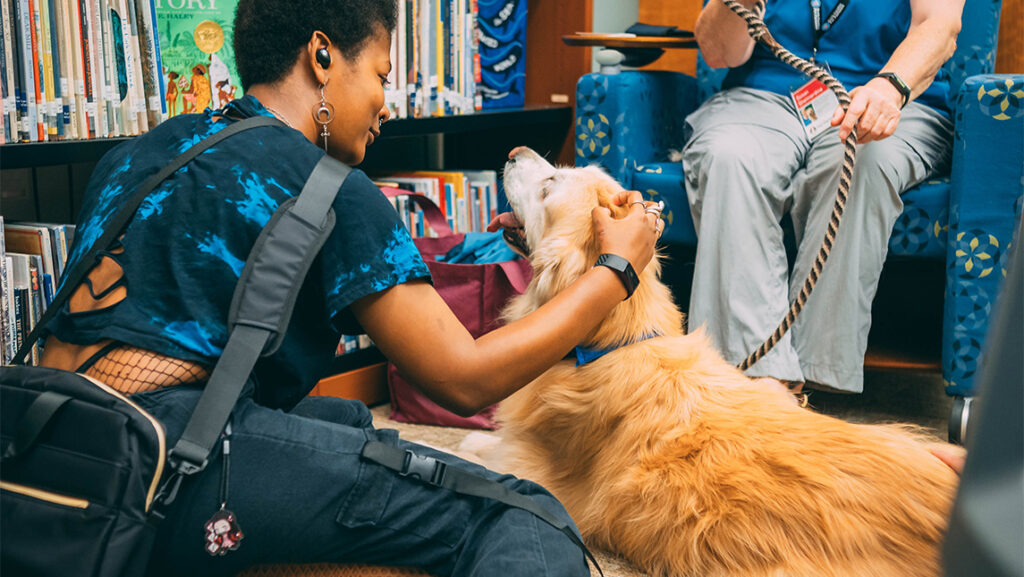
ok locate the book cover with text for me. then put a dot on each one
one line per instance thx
(197, 53)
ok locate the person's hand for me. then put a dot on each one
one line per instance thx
(874, 110)
(632, 237)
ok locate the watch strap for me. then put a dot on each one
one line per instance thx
(622, 269)
(896, 81)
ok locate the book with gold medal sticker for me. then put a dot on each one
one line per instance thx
(196, 44)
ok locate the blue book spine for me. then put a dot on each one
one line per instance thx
(29, 118)
(47, 284)
(449, 199)
(159, 60)
(55, 48)
(449, 61)
(20, 103)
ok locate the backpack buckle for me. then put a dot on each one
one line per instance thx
(182, 467)
(426, 469)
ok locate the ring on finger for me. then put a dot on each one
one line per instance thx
(640, 202)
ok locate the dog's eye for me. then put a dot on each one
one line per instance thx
(545, 186)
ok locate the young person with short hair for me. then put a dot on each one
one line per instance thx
(151, 321)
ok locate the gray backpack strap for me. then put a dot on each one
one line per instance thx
(270, 282)
(260, 311)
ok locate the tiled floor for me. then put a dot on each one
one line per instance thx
(888, 396)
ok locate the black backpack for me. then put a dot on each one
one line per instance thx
(85, 472)
(80, 475)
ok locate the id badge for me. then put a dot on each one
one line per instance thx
(815, 105)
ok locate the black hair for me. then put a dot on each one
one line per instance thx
(270, 34)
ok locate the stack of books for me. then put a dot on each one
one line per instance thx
(457, 57)
(32, 259)
(435, 64)
(83, 69)
(468, 198)
(79, 69)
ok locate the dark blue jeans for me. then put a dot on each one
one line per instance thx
(302, 494)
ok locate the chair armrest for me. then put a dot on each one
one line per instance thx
(631, 118)
(987, 185)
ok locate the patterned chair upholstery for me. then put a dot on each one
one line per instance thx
(631, 121)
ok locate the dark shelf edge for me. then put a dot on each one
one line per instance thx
(484, 120)
(355, 360)
(32, 154)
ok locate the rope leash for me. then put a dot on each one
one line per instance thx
(759, 32)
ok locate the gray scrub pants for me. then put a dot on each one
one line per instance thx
(747, 162)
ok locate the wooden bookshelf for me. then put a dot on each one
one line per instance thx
(45, 181)
(33, 154)
(367, 384)
(37, 154)
(486, 120)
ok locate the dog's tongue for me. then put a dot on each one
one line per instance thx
(504, 220)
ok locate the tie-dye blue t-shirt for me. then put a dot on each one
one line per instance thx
(187, 245)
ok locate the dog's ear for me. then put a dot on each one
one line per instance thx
(607, 190)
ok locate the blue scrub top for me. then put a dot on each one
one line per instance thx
(856, 48)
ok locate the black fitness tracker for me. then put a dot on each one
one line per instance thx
(898, 82)
(622, 269)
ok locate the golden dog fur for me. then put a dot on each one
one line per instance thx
(663, 452)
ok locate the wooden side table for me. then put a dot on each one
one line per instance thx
(617, 49)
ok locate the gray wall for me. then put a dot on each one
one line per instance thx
(614, 16)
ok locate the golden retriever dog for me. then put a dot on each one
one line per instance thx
(668, 455)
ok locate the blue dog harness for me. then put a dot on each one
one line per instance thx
(585, 355)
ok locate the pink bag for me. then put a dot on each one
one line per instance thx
(476, 294)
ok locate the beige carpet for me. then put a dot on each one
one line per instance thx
(887, 397)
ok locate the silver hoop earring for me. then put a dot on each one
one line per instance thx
(323, 114)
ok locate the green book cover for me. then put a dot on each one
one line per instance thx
(197, 50)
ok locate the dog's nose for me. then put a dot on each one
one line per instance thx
(515, 151)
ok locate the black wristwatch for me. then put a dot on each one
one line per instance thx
(623, 269)
(898, 82)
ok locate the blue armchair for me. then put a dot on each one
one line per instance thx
(629, 121)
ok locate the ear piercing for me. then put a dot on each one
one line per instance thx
(323, 114)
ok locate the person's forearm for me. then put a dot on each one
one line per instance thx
(926, 48)
(722, 35)
(504, 360)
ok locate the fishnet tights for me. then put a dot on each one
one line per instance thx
(132, 370)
